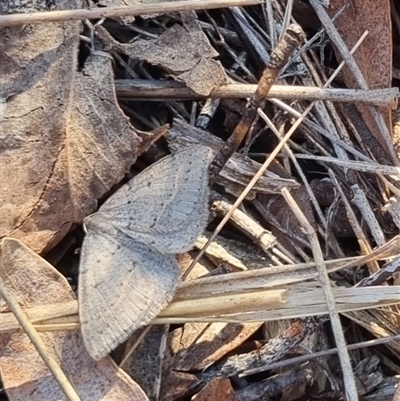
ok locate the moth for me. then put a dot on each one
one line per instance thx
(128, 272)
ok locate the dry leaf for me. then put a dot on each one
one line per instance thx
(218, 389)
(118, 3)
(176, 385)
(374, 57)
(198, 345)
(35, 282)
(185, 53)
(145, 364)
(64, 140)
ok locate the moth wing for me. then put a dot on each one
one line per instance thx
(166, 205)
(123, 285)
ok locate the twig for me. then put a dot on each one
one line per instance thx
(141, 89)
(279, 56)
(29, 329)
(364, 167)
(288, 15)
(348, 376)
(365, 246)
(113, 12)
(361, 201)
(247, 225)
(380, 276)
(270, 352)
(321, 354)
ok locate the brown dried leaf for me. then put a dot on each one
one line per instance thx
(64, 140)
(176, 385)
(23, 372)
(185, 53)
(198, 345)
(374, 57)
(218, 389)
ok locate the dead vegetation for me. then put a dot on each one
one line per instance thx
(293, 292)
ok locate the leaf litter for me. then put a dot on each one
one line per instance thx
(196, 65)
(192, 356)
(24, 373)
(65, 139)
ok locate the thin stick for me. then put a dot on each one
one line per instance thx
(362, 166)
(247, 225)
(143, 89)
(344, 357)
(279, 56)
(113, 12)
(396, 396)
(29, 329)
(363, 242)
(321, 354)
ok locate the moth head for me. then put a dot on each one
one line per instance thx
(96, 223)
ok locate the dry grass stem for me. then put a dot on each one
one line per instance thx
(246, 303)
(113, 12)
(364, 167)
(349, 379)
(139, 89)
